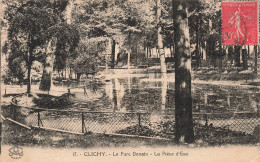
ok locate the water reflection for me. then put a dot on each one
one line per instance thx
(129, 83)
(150, 93)
(109, 89)
(118, 92)
(132, 94)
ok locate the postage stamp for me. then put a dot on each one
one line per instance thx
(239, 23)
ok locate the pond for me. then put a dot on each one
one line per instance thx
(149, 93)
(123, 103)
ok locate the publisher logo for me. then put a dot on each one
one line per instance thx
(16, 152)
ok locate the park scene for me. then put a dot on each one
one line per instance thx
(129, 73)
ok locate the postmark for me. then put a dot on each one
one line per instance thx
(239, 23)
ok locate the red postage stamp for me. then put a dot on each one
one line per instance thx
(239, 23)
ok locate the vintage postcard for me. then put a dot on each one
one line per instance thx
(129, 80)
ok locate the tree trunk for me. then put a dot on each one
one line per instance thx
(29, 67)
(197, 44)
(136, 54)
(183, 101)
(150, 52)
(113, 54)
(220, 58)
(78, 76)
(65, 73)
(129, 84)
(256, 56)
(160, 40)
(0, 87)
(106, 63)
(70, 71)
(237, 55)
(204, 53)
(231, 54)
(164, 94)
(129, 51)
(29, 81)
(46, 81)
(146, 52)
(248, 54)
(244, 58)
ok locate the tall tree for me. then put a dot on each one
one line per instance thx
(244, 58)
(183, 100)
(32, 25)
(160, 39)
(123, 21)
(26, 21)
(46, 81)
(237, 54)
(61, 40)
(113, 53)
(1, 80)
(256, 57)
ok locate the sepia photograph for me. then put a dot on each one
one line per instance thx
(129, 80)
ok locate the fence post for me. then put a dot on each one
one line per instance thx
(206, 119)
(14, 112)
(39, 118)
(139, 119)
(139, 123)
(82, 122)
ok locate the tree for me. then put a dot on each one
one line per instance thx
(102, 21)
(26, 21)
(238, 49)
(256, 57)
(245, 59)
(89, 56)
(33, 24)
(113, 54)
(183, 100)
(204, 33)
(62, 39)
(15, 62)
(160, 40)
(127, 23)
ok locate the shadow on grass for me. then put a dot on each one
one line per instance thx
(48, 101)
(13, 94)
(16, 135)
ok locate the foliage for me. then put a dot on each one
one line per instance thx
(90, 55)
(32, 23)
(116, 20)
(67, 41)
(205, 20)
